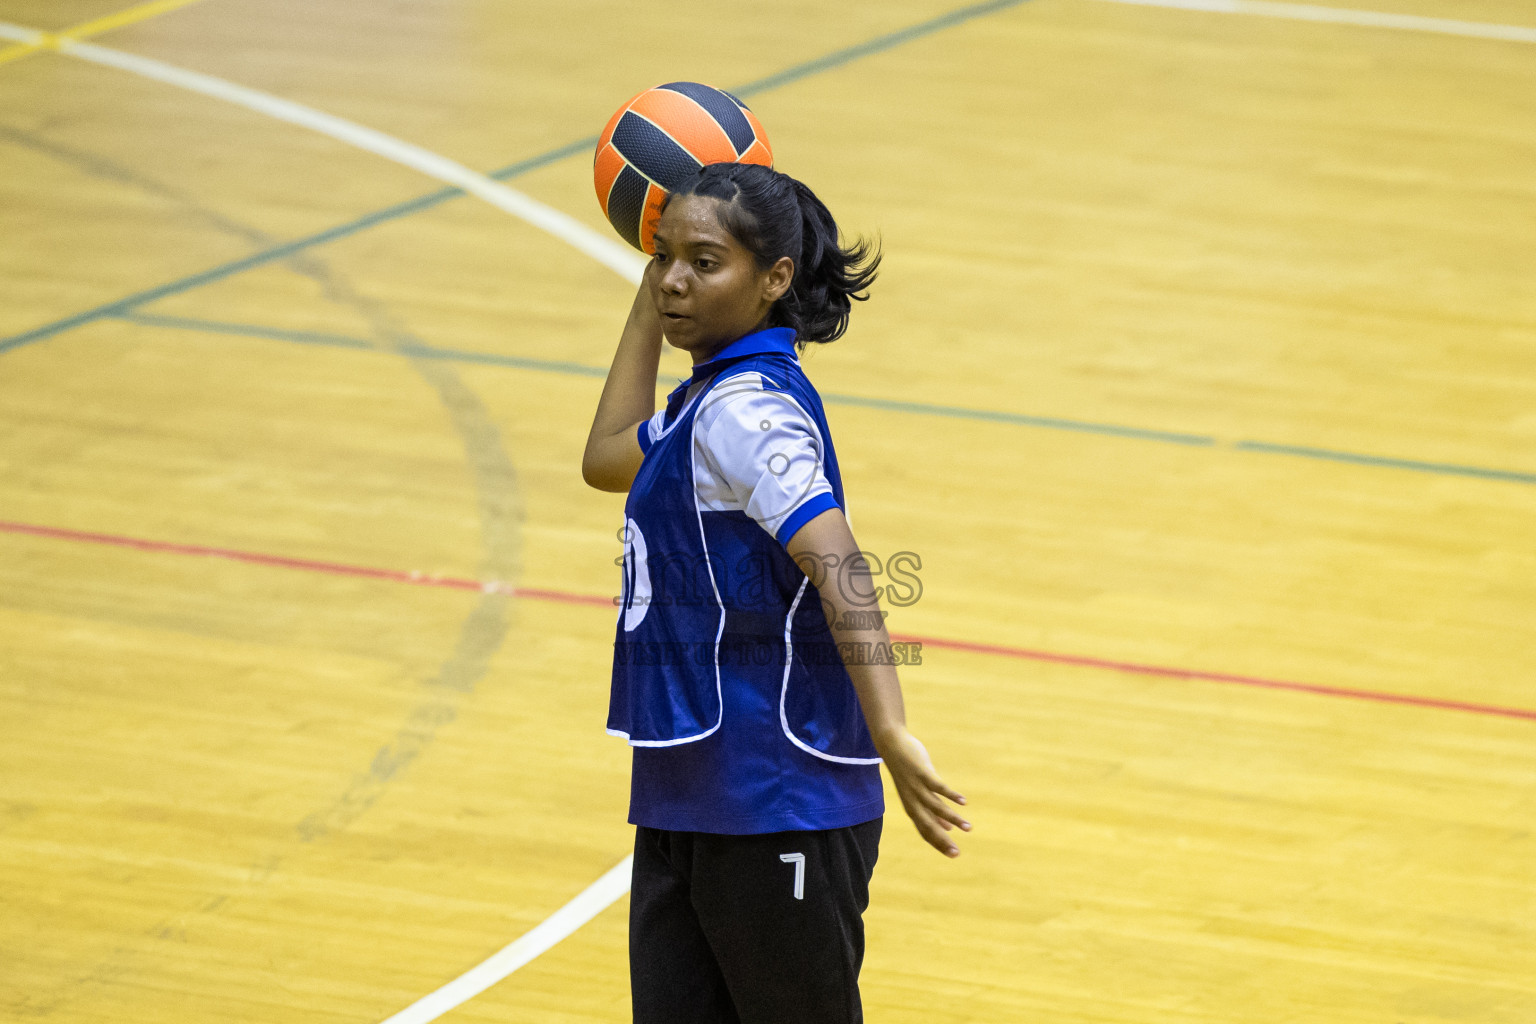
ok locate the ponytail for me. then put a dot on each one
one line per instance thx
(773, 215)
(827, 276)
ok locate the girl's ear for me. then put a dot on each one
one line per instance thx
(778, 280)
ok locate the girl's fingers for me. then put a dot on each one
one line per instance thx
(947, 815)
(959, 821)
(933, 828)
(936, 838)
(943, 813)
(933, 782)
(931, 798)
(934, 793)
(943, 844)
(924, 793)
(945, 791)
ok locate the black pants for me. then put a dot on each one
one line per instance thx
(761, 929)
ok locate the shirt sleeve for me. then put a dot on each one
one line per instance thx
(768, 453)
(649, 428)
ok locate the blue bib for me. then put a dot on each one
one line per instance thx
(726, 678)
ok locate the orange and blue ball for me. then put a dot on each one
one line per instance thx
(660, 139)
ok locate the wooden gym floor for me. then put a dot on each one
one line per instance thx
(1201, 377)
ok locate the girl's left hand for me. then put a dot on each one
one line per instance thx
(922, 791)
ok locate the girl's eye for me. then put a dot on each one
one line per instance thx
(705, 264)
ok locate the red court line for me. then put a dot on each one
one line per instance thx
(432, 580)
(1222, 677)
(420, 579)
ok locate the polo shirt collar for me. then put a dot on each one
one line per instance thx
(771, 339)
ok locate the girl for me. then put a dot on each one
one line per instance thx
(751, 672)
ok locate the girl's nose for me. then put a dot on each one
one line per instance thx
(674, 278)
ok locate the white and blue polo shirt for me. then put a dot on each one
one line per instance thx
(726, 677)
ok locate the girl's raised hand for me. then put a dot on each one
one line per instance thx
(922, 792)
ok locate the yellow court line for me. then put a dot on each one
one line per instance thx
(94, 27)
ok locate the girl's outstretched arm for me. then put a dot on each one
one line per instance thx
(825, 550)
(613, 454)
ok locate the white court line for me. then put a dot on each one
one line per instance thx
(627, 263)
(610, 252)
(20, 34)
(1349, 16)
(594, 899)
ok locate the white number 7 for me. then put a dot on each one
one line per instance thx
(798, 860)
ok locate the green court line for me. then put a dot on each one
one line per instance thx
(282, 251)
(840, 57)
(998, 416)
(662, 380)
(890, 405)
(1450, 468)
(344, 341)
(827, 62)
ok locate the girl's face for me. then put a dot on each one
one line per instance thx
(706, 284)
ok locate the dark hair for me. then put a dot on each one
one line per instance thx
(773, 215)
